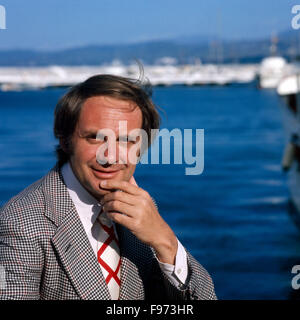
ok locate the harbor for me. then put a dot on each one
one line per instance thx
(62, 76)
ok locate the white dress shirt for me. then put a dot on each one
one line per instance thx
(88, 209)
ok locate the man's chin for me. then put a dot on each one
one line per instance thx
(99, 193)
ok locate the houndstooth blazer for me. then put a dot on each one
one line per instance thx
(46, 254)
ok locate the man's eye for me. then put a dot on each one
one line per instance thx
(126, 142)
(92, 139)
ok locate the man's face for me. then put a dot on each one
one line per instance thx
(103, 112)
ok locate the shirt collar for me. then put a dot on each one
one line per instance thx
(84, 202)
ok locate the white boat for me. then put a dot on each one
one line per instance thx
(272, 70)
(289, 90)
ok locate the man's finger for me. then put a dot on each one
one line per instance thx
(120, 185)
(119, 206)
(122, 219)
(121, 196)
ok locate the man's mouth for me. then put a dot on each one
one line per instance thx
(105, 173)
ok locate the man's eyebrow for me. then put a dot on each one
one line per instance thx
(89, 132)
(96, 133)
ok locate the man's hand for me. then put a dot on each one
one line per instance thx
(133, 208)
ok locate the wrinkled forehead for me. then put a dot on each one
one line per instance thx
(112, 102)
(106, 112)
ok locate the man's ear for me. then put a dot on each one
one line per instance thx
(132, 181)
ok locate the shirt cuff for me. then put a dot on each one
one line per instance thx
(176, 274)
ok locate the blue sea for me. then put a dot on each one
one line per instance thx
(233, 217)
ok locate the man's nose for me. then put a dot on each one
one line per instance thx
(107, 154)
(110, 154)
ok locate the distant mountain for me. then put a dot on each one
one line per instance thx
(183, 49)
(195, 39)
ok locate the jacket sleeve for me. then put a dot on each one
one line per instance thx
(199, 285)
(20, 261)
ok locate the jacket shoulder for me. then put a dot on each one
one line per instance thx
(30, 201)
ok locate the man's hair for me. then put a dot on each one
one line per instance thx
(68, 108)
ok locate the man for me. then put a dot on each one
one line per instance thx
(86, 230)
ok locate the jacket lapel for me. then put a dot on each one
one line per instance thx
(71, 242)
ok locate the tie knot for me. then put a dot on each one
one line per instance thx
(103, 219)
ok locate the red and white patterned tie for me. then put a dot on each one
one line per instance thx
(108, 255)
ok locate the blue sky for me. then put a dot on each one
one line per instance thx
(55, 24)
